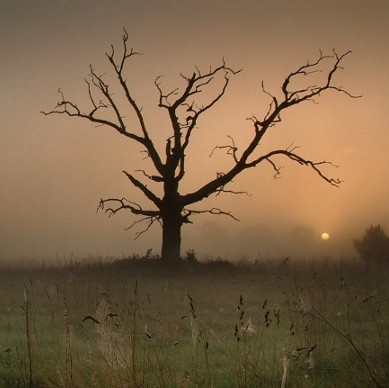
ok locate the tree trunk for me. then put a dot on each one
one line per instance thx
(171, 237)
(171, 221)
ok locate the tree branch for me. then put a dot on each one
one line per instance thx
(150, 219)
(184, 113)
(149, 194)
(300, 160)
(154, 178)
(230, 149)
(309, 92)
(118, 67)
(123, 204)
(215, 211)
(71, 109)
(273, 116)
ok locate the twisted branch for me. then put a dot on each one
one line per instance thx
(215, 211)
(151, 216)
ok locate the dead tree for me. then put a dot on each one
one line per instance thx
(184, 108)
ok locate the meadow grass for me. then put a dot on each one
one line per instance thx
(137, 323)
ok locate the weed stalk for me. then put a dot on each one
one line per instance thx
(27, 312)
(316, 314)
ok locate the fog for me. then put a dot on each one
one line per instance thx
(54, 169)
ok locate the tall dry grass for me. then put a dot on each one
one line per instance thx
(137, 324)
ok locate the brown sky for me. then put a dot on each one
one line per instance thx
(54, 169)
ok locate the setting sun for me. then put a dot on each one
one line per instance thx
(325, 236)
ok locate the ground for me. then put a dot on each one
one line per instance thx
(137, 323)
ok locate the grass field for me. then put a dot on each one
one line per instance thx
(137, 324)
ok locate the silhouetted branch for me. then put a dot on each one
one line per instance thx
(149, 194)
(71, 109)
(276, 168)
(274, 104)
(184, 112)
(273, 116)
(96, 107)
(125, 55)
(215, 211)
(123, 204)
(118, 67)
(230, 149)
(151, 220)
(300, 160)
(154, 178)
(164, 98)
(224, 190)
(96, 81)
(296, 96)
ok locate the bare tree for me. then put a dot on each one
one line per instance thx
(184, 108)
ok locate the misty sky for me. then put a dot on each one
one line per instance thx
(55, 169)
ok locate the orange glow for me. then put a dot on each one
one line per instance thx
(54, 170)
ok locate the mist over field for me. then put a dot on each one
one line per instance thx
(280, 281)
(55, 169)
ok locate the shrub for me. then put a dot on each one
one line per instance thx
(373, 248)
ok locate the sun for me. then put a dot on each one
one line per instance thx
(325, 236)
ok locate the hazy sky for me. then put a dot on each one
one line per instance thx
(54, 169)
